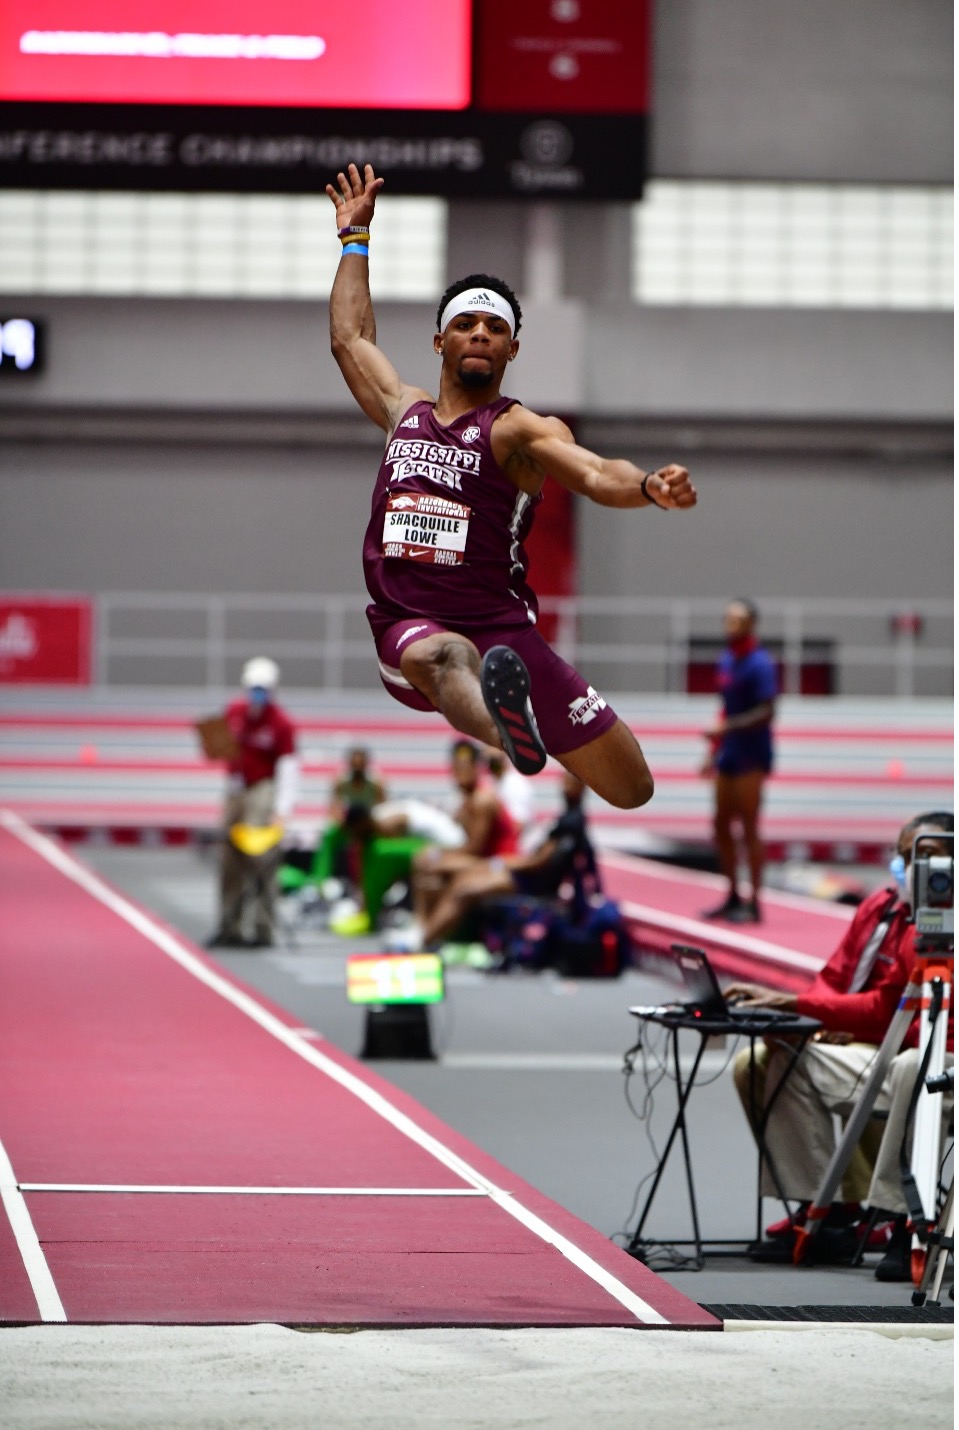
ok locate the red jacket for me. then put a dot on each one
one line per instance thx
(264, 737)
(867, 1014)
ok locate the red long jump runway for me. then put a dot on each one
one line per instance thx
(664, 905)
(174, 1150)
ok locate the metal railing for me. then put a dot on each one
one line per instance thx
(889, 647)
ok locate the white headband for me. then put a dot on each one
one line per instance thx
(478, 300)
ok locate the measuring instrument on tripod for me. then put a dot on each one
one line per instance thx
(929, 992)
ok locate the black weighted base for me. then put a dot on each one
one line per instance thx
(398, 1031)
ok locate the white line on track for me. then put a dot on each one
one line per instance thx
(35, 1263)
(698, 931)
(109, 1188)
(374, 1100)
(653, 869)
(560, 1062)
(535, 1062)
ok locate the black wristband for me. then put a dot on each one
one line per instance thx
(642, 488)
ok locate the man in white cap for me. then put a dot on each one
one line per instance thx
(452, 614)
(261, 792)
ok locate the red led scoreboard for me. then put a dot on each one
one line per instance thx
(486, 98)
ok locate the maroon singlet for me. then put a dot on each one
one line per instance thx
(446, 532)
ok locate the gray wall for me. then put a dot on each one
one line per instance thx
(177, 516)
(792, 525)
(171, 516)
(204, 445)
(575, 357)
(817, 89)
(209, 446)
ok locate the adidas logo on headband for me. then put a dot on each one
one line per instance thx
(478, 298)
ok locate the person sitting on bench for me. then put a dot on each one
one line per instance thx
(564, 853)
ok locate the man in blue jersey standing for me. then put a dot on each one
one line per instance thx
(741, 756)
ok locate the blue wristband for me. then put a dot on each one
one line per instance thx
(363, 248)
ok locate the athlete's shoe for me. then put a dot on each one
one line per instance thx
(748, 912)
(404, 940)
(504, 681)
(729, 908)
(223, 938)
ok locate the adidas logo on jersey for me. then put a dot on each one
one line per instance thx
(413, 421)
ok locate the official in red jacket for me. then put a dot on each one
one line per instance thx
(262, 780)
(855, 997)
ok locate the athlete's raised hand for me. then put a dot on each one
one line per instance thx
(354, 196)
(671, 488)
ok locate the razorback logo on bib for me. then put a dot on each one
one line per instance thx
(419, 527)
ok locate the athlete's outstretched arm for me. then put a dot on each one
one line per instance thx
(370, 376)
(545, 445)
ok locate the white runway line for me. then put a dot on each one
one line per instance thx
(374, 1100)
(28, 1244)
(114, 1188)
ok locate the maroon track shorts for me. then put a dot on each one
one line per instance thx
(568, 711)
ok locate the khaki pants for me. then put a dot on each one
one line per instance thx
(828, 1079)
(247, 883)
(858, 1175)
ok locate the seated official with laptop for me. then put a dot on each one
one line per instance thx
(855, 996)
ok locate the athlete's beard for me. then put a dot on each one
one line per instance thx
(473, 377)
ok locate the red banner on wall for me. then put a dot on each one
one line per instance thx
(45, 640)
(551, 547)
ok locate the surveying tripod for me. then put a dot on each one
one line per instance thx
(929, 989)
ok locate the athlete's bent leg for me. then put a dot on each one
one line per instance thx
(461, 894)
(613, 766)
(445, 667)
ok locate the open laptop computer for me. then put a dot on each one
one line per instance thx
(707, 1000)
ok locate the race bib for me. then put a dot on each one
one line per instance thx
(419, 527)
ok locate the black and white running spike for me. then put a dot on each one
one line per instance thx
(505, 683)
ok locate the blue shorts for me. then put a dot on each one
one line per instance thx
(744, 764)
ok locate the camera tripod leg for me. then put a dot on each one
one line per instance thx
(855, 1126)
(928, 1120)
(939, 1247)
